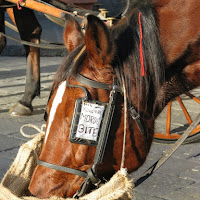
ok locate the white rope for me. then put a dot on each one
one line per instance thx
(125, 123)
(40, 130)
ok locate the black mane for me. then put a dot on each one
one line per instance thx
(127, 61)
(68, 67)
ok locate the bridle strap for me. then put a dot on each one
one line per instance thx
(100, 150)
(62, 169)
(94, 84)
(92, 175)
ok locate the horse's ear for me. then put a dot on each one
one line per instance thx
(73, 35)
(99, 43)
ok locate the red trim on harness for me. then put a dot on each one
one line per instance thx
(143, 73)
(19, 5)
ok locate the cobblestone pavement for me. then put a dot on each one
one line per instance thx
(177, 179)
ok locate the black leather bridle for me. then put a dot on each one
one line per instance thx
(91, 175)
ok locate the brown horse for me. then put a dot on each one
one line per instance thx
(156, 64)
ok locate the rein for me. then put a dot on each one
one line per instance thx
(168, 153)
(43, 46)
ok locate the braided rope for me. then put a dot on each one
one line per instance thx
(125, 124)
(40, 130)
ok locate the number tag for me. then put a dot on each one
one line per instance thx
(89, 121)
(86, 122)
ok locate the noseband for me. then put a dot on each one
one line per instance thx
(91, 176)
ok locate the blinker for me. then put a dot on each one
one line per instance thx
(86, 122)
(89, 117)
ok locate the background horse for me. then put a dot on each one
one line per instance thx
(157, 65)
(29, 30)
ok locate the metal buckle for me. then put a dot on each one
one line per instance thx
(134, 113)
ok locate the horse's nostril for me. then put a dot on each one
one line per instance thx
(36, 189)
(35, 184)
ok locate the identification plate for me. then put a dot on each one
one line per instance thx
(86, 122)
(89, 121)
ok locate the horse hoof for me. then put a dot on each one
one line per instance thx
(20, 110)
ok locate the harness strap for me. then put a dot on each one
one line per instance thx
(104, 133)
(62, 169)
(43, 46)
(94, 84)
(105, 130)
(168, 153)
(7, 6)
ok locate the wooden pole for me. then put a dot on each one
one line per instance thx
(43, 8)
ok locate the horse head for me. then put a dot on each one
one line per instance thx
(95, 64)
(100, 56)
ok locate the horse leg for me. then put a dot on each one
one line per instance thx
(29, 30)
(178, 84)
(2, 29)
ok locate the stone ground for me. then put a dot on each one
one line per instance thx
(177, 179)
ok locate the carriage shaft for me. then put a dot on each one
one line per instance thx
(43, 8)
